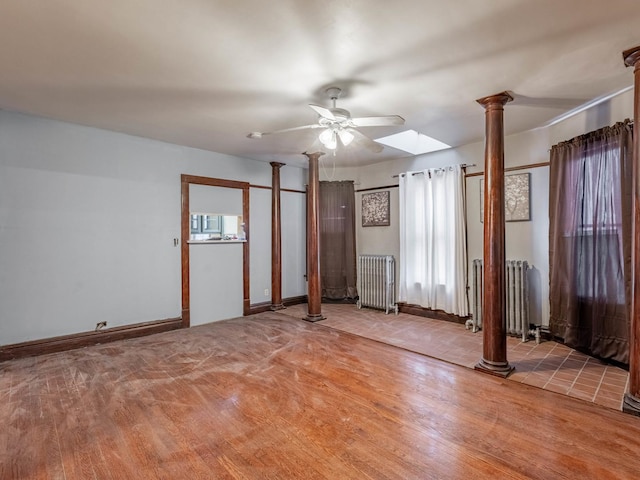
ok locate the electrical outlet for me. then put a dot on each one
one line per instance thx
(100, 325)
(266, 292)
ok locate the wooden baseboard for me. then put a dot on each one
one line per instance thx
(85, 339)
(259, 307)
(287, 302)
(428, 313)
(266, 306)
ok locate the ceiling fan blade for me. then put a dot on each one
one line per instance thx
(378, 121)
(362, 140)
(323, 111)
(284, 130)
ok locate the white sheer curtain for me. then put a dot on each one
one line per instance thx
(433, 250)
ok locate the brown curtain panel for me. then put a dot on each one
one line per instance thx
(337, 240)
(590, 241)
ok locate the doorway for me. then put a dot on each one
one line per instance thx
(215, 271)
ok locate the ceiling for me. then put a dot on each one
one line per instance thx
(205, 73)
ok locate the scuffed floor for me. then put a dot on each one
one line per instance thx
(274, 397)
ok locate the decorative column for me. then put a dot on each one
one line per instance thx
(276, 239)
(494, 336)
(631, 403)
(314, 288)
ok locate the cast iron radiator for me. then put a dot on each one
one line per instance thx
(376, 282)
(517, 297)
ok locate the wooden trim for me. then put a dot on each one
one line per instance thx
(186, 180)
(265, 187)
(245, 251)
(300, 299)
(185, 233)
(467, 175)
(429, 313)
(214, 182)
(85, 339)
(376, 188)
(266, 306)
(259, 308)
(512, 169)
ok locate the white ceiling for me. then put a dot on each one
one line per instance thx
(204, 73)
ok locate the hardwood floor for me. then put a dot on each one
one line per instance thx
(549, 365)
(270, 396)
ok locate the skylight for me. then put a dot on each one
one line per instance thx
(413, 142)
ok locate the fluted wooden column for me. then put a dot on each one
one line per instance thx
(276, 239)
(631, 403)
(314, 288)
(494, 336)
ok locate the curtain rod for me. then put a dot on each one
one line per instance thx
(463, 165)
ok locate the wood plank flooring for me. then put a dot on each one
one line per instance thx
(270, 396)
(549, 365)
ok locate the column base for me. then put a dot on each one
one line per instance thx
(276, 306)
(499, 369)
(631, 405)
(314, 317)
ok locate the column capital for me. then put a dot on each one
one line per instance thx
(631, 56)
(277, 164)
(496, 99)
(313, 154)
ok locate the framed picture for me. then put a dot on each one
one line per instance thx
(375, 209)
(517, 198)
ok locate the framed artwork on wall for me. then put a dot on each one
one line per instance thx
(375, 209)
(517, 198)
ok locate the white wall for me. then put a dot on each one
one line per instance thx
(294, 243)
(260, 250)
(376, 240)
(87, 222)
(523, 240)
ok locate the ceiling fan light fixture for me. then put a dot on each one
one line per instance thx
(346, 137)
(338, 128)
(329, 139)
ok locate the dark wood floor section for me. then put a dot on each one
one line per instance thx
(270, 396)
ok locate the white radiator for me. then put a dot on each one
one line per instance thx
(376, 282)
(517, 297)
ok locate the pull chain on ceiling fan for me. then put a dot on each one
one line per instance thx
(339, 127)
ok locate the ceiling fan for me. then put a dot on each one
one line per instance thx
(339, 128)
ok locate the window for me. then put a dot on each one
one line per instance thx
(589, 251)
(213, 226)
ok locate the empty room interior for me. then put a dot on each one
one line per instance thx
(308, 240)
